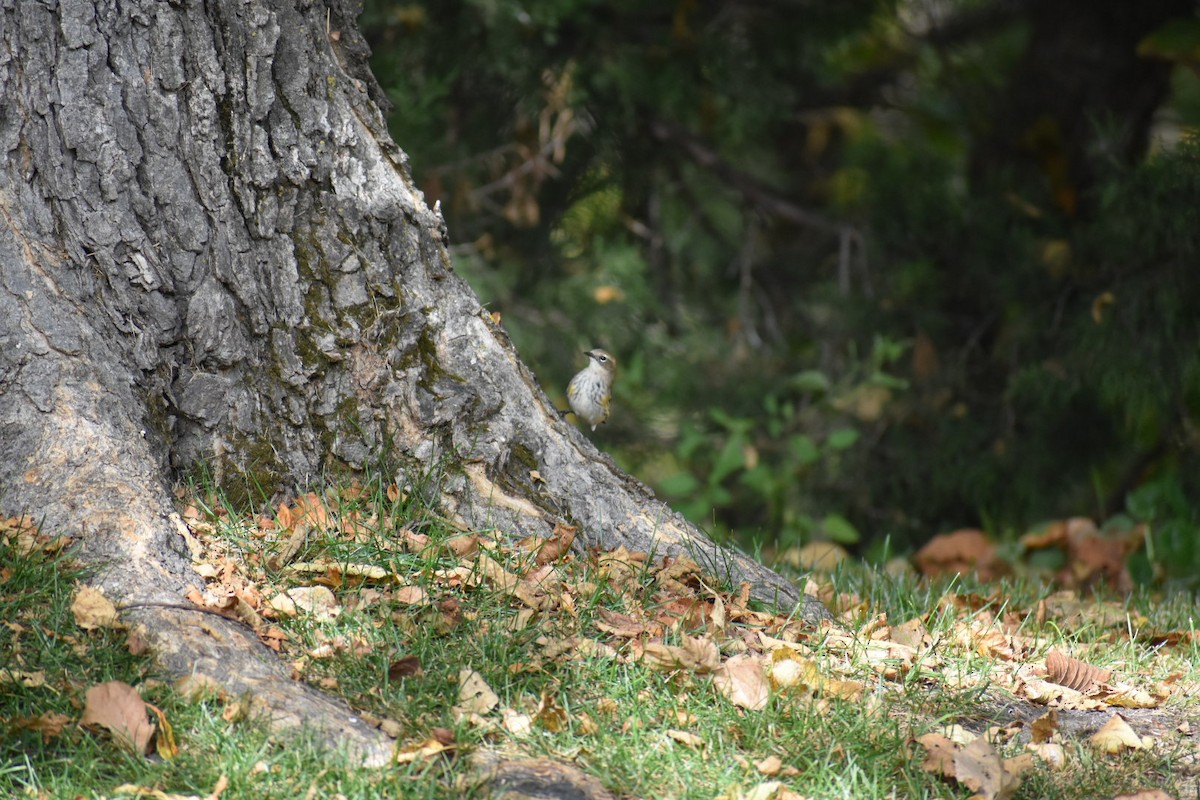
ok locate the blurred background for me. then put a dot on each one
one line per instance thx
(872, 270)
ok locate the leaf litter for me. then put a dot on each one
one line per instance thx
(663, 614)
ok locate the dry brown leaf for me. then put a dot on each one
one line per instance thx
(93, 610)
(117, 707)
(30, 680)
(423, 751)
(1116, 735)
(963, 551)
(410, 595)
(558, 545)
(464, 545)
(49, 724)
(1145, 794)
(1073, 673)
(679, 575)
(743, 681)
(939, 754)
(911, 634)
(405, 667)
(1044, 727)
(515, 722)
(697, 654)
(770, 766)
(1054, 755)
(685, 738)
(474, 694)
(978, 767)
(550, 715)
(625, 626)
(316, 601)
(290, 547)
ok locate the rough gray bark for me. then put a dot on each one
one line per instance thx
(212, 252)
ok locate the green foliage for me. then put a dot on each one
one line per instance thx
(740, 201)
(761, 471)
(1172, 548)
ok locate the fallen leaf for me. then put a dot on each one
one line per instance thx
(550, 715)
(49, 724)
(964, 552)
(1073, 673)
(117, 707)
(410, 595)
(1049, 753)
(770, 766)
(696, 654)
(422, 751)
(939, 754)
(685, 738)
(93, 610)
(317, 601)
(516, 723)
(912, 633)
(743, 681)
(1115, 736)
(558, 545)
(405, 667)
(979, 767)
(474, 694)
(1044, 727)
(164, 743)
(30, 680)
(289, 548)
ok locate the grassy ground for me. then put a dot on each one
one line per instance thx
(650, 677)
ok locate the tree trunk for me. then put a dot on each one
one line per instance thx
(212, 253)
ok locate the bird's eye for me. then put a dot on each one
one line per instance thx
(602, 359)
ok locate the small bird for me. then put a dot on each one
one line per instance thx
(591, 388)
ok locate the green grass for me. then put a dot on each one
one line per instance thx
(607, 712)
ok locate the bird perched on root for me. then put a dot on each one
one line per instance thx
(590, 390)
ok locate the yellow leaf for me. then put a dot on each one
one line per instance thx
(1115, 736)
(608, 294)
(93, 610)
(1100, 306)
